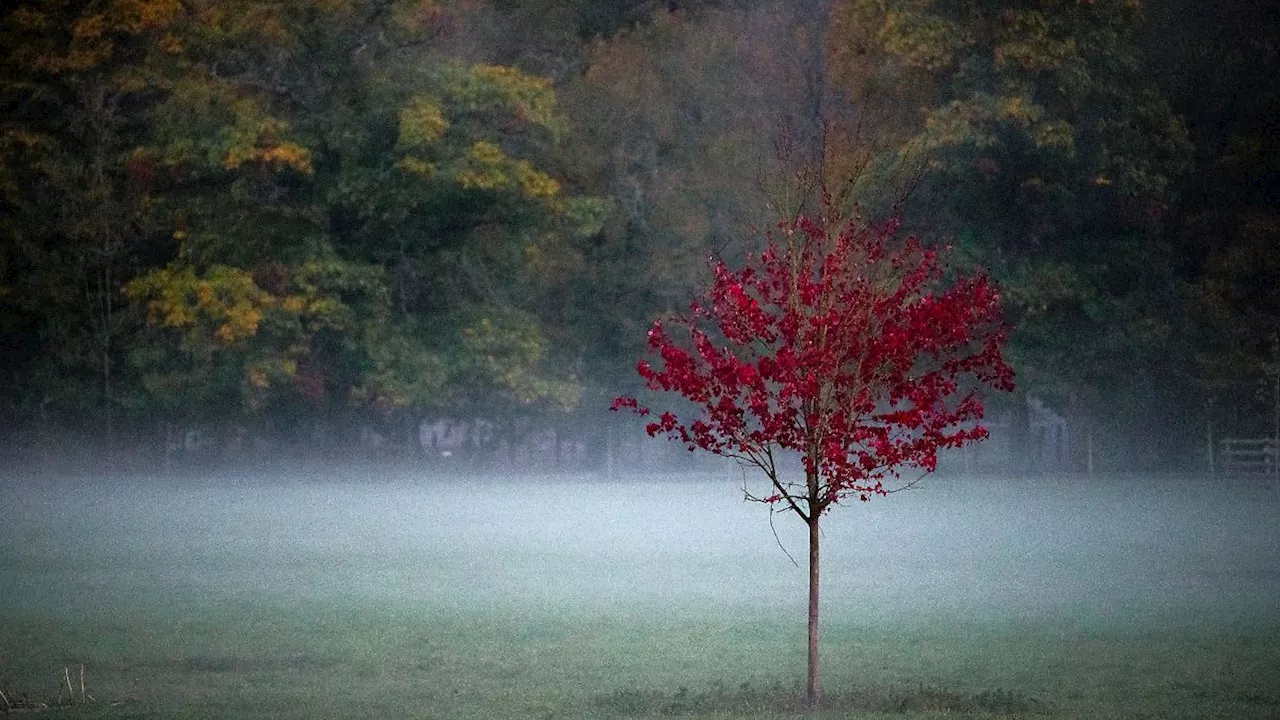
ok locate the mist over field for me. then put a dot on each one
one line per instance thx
(582, 586)
(333, 336)
(1036, 548)
(1052, 549)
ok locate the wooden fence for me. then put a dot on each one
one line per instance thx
(1249, 456)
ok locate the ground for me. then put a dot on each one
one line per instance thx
(520, 597)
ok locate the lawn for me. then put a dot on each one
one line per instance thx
(530, 597)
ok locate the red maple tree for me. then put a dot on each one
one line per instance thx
(839, 349)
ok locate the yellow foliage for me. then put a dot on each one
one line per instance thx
(89, 27)
(242, 320)
(132, 81)
(416, 17)
(957, 123)
(1019, 109)
(1056, 134)
(261, 22)
(80, 58)
(256, 138)
(139, 16)
(482, 180)
(171, 44)
(256, 376)
(175, 315)
(422, 123)
(487, 153)
(920, 40)
(536, 183)
(325, 307)
(287, 154)
(28, 19)
(489, 175)
(25, 138)
(414, 166)
(532, 96)
(225, 303)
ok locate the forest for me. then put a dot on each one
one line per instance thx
(315, 228)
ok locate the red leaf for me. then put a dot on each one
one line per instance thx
(841, 344)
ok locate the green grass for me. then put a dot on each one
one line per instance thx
(210, 609)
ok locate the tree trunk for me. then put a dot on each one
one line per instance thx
(813, 688)
(609, 451)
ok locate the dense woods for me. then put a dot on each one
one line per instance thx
(315, 226)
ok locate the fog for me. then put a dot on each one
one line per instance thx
(1060, 550)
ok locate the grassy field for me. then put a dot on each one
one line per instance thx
(564, 598)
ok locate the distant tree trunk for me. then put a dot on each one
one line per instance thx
(813, 687)
(556, 437)
(608, 451)
(166, 445)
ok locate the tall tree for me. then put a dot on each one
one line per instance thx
(669, 118)
(1220, 67)
(1053, 157)
(314, 209)
(339, 135)
(71, 79)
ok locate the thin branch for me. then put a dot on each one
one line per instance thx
(909, 486)
(784, 491)
(778, 540)
(772, 511)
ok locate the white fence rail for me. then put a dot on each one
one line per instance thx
(1249, 456)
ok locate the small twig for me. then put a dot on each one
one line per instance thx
(909, 486)
(7, 704)
(747, 495)
(71, 694)
(778, 539)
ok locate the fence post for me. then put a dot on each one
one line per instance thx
(1209, 437)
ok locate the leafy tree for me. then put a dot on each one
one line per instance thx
(76, 221)
(669, 118)
(338, 136)
(839, 350)
(1053, 157)
(310, 207)
(1221, 71)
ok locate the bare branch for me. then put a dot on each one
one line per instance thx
(778, 540)
(909, 486)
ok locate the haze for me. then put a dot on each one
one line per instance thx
(312, 315)
(1057, 549)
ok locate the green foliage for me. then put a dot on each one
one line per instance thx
(265, 334)
(286, 202)
(563, 169)
(1051, 151)
(499, 360)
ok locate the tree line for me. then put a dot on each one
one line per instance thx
(261, 218)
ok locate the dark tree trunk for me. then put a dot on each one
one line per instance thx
(813, 687)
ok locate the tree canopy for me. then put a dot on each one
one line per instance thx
(299, 218)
